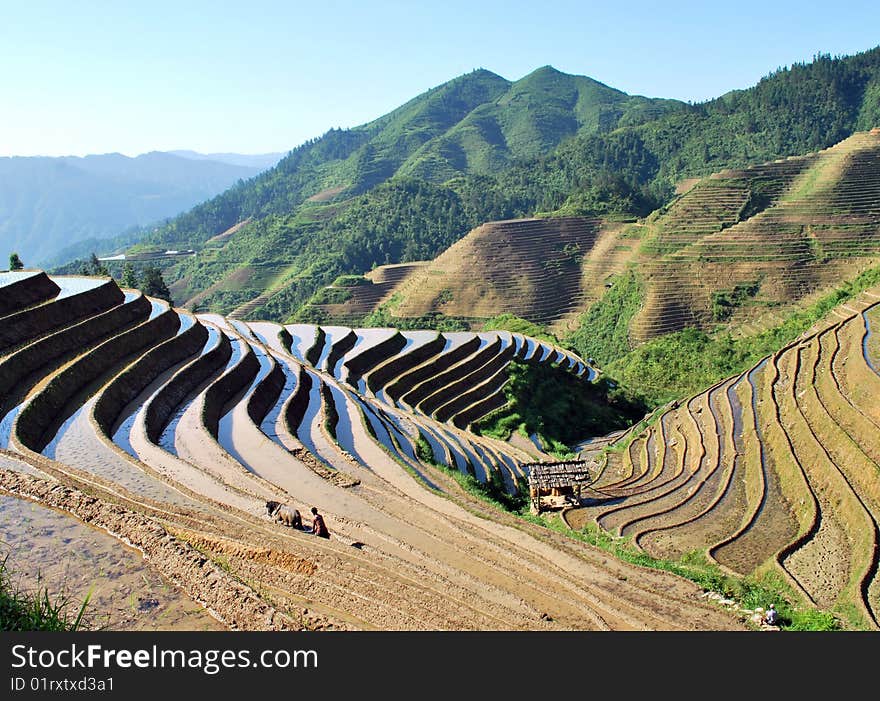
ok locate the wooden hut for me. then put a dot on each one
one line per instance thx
(552, 485)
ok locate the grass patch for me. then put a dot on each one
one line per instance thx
(22, 610)
(561, 408)
(331, 295)
(351, 281)
(603, 332)
(686, 362)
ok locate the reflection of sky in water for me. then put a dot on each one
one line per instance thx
(186, 321)
(268, 425)
(379, 428)
(400, 434)
(344, 429)
(52, 446)
(303, 338)
(332, 335)
(415, 339)
(309, 422)
(226, 427)
(86, 451)
(243, 329)
(478, 459)
(868, 358)
(534, 438)
(157, 307)
(267, 333)
(366, 339)
(459, 445)
(6, 425)
(13, 276)
(382, 426)
(436, 446)
(122, 435)
(68, 286)
(76, 285)
(166, 439)
(215, 319)
(509, 461)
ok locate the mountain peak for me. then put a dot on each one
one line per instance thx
(547, 70)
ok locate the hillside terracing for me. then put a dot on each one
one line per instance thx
(741, 248)
(773, 470)
(543, 270)
(172, 431)
(745, 247)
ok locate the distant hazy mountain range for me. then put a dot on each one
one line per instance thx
(255, 160)
(47, 204)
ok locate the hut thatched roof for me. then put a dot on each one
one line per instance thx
(548, 475)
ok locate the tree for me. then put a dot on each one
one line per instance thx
(15, 262)
(129, 276)
(153, 284)
(97, 267)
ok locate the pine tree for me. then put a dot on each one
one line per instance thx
(129, 276)
(97, 267)
(153, 284)
(15, 262)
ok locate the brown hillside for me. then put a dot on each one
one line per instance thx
(363, 299)
(742, 247)
(783, 230)
(527, 267)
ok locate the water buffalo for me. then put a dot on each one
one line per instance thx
(284, 513)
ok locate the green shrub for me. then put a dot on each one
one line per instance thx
(351, 281)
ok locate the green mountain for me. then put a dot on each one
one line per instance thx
(409, 184)
(529, 120)
(473, 124)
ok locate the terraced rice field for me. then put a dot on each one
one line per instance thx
(543, 270)
(743, 247)
(785, 231)
(47, 548)
(172, 431)
(774, 470)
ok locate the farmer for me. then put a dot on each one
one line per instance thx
(319, 528)
(771, 618)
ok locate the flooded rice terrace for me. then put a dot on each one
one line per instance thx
(48, 549)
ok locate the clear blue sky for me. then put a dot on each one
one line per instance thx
(252, 77)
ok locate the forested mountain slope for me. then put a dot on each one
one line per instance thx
(479, 148)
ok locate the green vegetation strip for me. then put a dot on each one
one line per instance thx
(603, 332)
(560, 408)
(686, 362)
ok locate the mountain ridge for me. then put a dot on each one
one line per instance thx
(406, 186)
